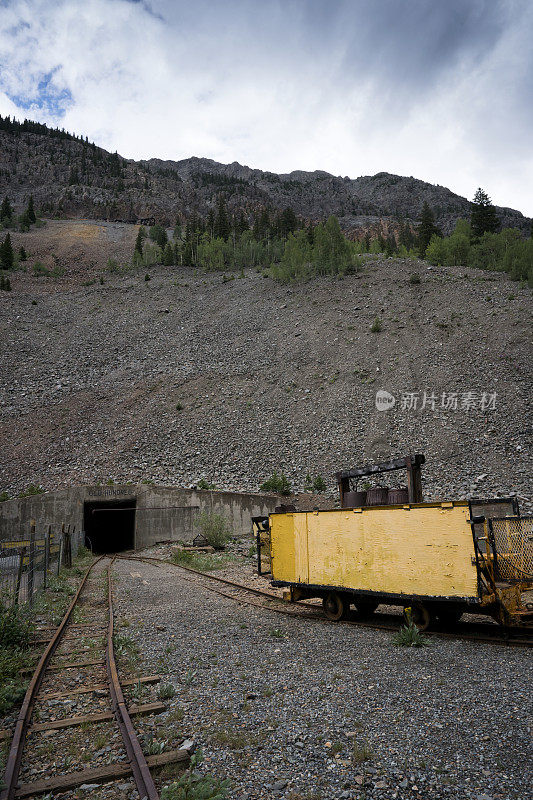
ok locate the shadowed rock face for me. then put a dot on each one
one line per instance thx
(73, 179)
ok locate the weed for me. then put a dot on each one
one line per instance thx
(4, 496)
(215, 529)
(336, 748)
(190, 677)
(409, 635)
(376, 326)
(126, 648)
(361, 752)
(153, 747)
(166, 691)
(147, 277)
(180, 407)
(192, 785)
(277, 633)
(414, 278)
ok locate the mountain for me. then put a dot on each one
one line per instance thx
(70, 177)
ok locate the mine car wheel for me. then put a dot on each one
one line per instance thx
(335, 606)
(365, 607)
(418, 614)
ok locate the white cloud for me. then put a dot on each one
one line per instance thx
(284, 86)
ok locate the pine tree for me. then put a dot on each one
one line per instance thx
(6, 212)
(158, 235)
(141, 236)
(6, 253)
(22, 254)
(222, 227)
(483, 217)
(168, 255)
(426, 229)
(287, 222)
(30, 212)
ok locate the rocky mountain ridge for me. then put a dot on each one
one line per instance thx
(69, 177)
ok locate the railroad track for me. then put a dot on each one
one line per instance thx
(97, 676)
(478, 632)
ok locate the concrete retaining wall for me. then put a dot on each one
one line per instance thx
(163, 512)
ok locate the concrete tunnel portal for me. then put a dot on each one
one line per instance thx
(109, 525)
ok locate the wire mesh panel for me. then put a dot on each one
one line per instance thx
(513, 546)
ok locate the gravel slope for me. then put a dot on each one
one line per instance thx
(268, 376)
(288, 709)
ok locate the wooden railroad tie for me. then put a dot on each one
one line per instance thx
(102, 716)
(110, 772)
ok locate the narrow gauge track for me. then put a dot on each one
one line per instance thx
(87, 681)
(479, 632)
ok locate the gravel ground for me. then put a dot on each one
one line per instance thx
(316, 711)
(191, 375)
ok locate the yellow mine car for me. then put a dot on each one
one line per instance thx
(439, 559)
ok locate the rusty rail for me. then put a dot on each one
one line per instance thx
(141, 771)
(23, 719)
(139, 766)
(526, 642)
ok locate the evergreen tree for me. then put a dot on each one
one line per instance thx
(6, 212)
(158, 235)
(310, 233)
(141, 236)
(168, 255)
(22, 254)
(7, 257)
(222, 227)
(30, 212)
(287, 222)
(483, 217)
(426, 229)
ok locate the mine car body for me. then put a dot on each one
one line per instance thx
(437, 559)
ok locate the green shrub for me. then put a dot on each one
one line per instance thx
(32, 490)
(409, 636)
(376, 326)
(15, 627)
(277, 484)
(414, 278)
(215, 529)
(4, 496)
(319, 484)
(192, 785)
(203, 484)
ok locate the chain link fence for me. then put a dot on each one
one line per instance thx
(513, 546)
(26, 564)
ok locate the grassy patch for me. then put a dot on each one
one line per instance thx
(204, 562)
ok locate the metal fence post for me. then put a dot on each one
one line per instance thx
(46, 555)
(31, 562)
(60, 554)
(22, 553)
(68, 549)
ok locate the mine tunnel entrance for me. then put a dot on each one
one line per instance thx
(109, 525)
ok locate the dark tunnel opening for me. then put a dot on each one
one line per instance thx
(109, 525)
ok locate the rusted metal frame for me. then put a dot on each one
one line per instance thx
(141, 771)
(412, 463)
(23, 719)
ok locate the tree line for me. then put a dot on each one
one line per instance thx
(479, 242)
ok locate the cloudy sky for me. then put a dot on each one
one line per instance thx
(438, 89)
